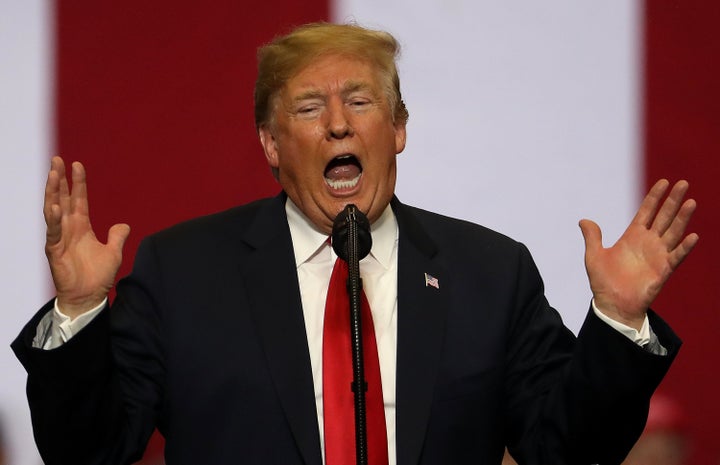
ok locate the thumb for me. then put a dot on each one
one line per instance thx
(592, 235)
(117, 235)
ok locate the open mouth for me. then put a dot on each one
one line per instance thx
(343, 172)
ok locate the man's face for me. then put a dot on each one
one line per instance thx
(333, 139)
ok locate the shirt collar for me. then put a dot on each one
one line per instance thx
(308, 240)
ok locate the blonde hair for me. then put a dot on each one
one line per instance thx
(285, 56)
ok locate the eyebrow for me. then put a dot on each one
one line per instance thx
(354, 86)
(309, 95)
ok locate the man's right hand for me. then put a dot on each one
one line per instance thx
(83, 269)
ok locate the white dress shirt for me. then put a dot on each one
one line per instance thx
(315, 259)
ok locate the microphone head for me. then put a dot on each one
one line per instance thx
(340, 232)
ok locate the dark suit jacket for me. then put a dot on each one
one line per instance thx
(206, 342)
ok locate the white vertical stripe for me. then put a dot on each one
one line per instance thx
(24, 145)
(522, 118)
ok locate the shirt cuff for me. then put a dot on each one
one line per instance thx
(62, 327)
(641, 338)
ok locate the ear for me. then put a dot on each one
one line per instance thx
(269, 145)
(400, 137)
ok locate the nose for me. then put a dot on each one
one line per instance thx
(338, 124)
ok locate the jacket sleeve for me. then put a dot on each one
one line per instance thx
(575, 401)
(94, 400)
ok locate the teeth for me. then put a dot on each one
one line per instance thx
(343, 184)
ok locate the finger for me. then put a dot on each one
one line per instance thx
(64, 187)
(649, 205)
(51, 205)
(78, 198)
(676, 230)
(670, 207)
(117, 235)
(680, 253)
(52, 194)
(592, 235)
(54, 227)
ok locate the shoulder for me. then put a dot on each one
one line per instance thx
(227, 223)
(445, 231)
(215, 235)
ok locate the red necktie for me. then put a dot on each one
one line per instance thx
(338, 404)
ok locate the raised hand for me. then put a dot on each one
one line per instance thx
(83, 268)
(627, 277)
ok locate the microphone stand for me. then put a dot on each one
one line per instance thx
(352, 217)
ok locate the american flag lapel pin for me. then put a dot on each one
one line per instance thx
(431, 281)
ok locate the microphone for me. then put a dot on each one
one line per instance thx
(349, 220)
(352, 241)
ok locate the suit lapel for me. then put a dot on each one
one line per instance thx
(422, 311)
(270, 279)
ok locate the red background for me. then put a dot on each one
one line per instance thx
(155, 98)
(682, 140)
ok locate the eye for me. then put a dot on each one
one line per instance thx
(359, 103)
(308, 110)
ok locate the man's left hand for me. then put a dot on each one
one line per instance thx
(627, 277)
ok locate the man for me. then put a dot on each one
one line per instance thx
(216, 338)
